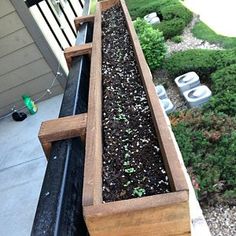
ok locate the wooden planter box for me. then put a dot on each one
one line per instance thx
(163, 214)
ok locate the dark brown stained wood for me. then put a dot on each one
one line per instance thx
(75, 51)
(165, 214)
(92, 191)
(168, 149)
(62, 128)
(82, 19)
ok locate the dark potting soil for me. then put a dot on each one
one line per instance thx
(132, 162)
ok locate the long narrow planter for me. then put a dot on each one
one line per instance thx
(162, 214)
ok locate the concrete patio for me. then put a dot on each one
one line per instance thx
(22, 168)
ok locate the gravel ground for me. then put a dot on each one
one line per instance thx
(221, 220)
(189, 41)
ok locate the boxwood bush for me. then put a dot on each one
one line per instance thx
(171, 28)
(152, 43)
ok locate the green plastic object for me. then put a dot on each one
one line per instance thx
(29, 103)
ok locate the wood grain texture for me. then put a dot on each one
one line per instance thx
(163, 214)
(75, 51)
(82, 19)
(92, 191)
(166, 214)
(168, 149)
(63, 128)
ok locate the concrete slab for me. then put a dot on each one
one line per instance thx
(218, 15)
(22, 168)
(19, 140)
(20, 188)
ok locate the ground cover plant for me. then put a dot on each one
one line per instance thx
(208, 145)
(173, 15)
(202, 31)
(132, 162)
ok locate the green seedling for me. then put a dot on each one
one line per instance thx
(127, 184)
(138, 192)
(130, 170)
(128, 131)
(126, 163)
(127, 155)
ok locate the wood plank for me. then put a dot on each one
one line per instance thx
(19, 58)
(10, 23)
(23, 74)
(6, 7)
(63, 128)
(164, 214)
(105, 5)
(75, 51)
(15, 41)
(92, 191)
(82, 19)
(168, 149)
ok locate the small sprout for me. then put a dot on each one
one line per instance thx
(128, 131)
(127, 184)
(126, 163)
(138, 192)
(121, 117)
(119, 110)
(126, 147)
(130, 170)
(127, 155)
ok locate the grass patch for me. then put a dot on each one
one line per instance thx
(202, 31)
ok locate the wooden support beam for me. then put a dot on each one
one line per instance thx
(82, 19)
(77, 50)
(62, 128)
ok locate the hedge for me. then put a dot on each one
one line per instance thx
(202, 61)
(224, 91)
(173, 15)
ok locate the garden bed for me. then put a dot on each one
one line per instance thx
(130, 152)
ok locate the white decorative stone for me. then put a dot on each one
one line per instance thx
(161, 92)
(167, 105)
(187, 81)
(197, 96)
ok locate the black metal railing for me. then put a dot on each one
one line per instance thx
(56, 8)
(59, 210)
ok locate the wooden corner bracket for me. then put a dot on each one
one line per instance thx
(62, 128)
(75, 51)
(82, 19)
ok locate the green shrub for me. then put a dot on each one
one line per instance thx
(171, 28)
(176, 11)
(198, 60)
(177, 39)
(173, 15)
(224, 91)
(152, 43)
(208, 144)
(202, 61)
